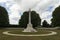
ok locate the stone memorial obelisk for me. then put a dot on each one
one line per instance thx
(29, 25)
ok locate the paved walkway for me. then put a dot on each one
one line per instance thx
(51, 33)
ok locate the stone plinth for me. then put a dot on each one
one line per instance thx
(29, 28)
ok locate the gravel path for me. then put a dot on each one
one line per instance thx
(51, 33)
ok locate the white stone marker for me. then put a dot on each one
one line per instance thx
(29, 25)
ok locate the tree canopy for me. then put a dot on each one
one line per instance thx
(45, 24)
(35, 19)
(4, 19)
(56, 17)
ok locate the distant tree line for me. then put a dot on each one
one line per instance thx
(45, 24)
(35, 19)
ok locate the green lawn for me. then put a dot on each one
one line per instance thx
(20, 32)
(7, 37)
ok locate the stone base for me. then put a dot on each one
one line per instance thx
(29, 28)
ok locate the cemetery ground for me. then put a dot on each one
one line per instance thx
(19, 31)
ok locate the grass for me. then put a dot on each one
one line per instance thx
(20, 32)
(6, 37)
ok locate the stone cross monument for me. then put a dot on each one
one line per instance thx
(24, 5)
(29, 25)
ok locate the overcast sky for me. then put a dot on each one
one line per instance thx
(15, 8)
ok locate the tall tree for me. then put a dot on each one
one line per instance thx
(45, 24)
(4, 19)
(35, 19)
(56, 17)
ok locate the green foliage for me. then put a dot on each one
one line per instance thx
(56, 17)
(35, 19)
(24, 19)
(3, 17)
(45, 24)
